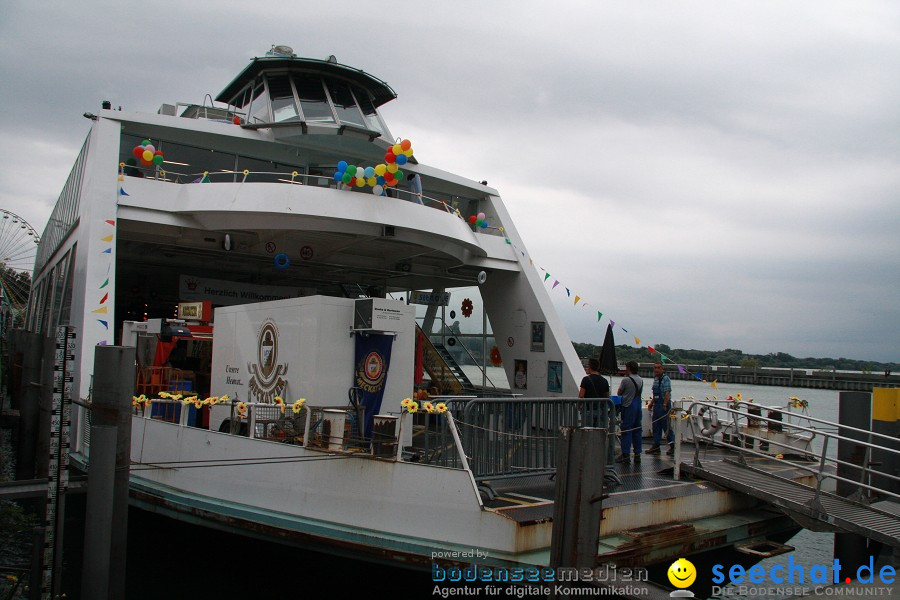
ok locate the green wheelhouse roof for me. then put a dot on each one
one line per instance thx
(380, 90)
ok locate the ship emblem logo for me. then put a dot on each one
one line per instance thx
(370, 372)
(267, 375)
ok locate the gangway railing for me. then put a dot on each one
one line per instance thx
(853, 514)
(504, 437)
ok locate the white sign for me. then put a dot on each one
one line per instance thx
(230, 293)
(430, 298)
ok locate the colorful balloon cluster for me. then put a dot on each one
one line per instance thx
(148, 154)
(380, 176)
(478, 221)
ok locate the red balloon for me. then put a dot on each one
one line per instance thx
(388, 176)
(146, 163)
(472, 219)
(138, 151)
(390, 158)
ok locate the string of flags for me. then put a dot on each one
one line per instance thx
(579, 301)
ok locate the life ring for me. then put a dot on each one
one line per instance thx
(282, 261)
(710, 423)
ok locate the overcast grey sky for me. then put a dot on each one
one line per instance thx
(708, 174)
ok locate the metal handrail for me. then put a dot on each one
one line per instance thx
(823, 459)
(510, 438)
(481, 367)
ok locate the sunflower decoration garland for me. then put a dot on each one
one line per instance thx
(440, 408)
(280, 402)
(241, 410)
(410, 405)
(496, 359)
(141, 401)
(798, 403)
(467, 308)
(428, 407)
(297, 406)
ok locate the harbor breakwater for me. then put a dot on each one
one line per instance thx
(844, 381)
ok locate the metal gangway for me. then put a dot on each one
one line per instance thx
(870, 511)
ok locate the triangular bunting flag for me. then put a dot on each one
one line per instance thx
(122, 192)
(682, 370)
(546, 276)
(577, 298)
(625, 330)
(698, 376)
(108, 238)
(568, 293)
(650, 348)
(612, 323)
(101, 311)
(105, 298)
(663, 357)
(637, 341)
(107, 251)
(110, 222)
(713, 384)
(104, 323)
(105, 283)
(599, 315)
(555, 283)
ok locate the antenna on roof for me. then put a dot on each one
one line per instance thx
(280, 51)
(332, 59)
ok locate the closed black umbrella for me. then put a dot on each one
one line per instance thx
(608, 362)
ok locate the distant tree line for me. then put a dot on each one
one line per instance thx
(735, 358)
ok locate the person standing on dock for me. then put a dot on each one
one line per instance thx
(660, 406)
(630, 389)
(594, 385)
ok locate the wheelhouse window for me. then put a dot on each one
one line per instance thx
(283, 106)
(345, 103)
(373, 121)
(259, 106)
(313, 101)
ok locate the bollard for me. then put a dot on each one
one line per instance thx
(580, 466)
(111, 408)
(854, 410)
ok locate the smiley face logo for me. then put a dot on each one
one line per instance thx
(682, 573)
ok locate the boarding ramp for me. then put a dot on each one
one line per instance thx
(872, 512)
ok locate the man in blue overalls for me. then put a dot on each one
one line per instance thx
(660, 406)
(630, 389)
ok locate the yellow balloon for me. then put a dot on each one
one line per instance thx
(408, 153)
(360, 182)
(147, 155)
(380, 169)
(372, 181)
(392, 167)
(398, 150)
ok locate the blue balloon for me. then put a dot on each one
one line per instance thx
(370, 172)
(380, 180)
(342, 166)
(338, 175)
(483, 224)
(401, 160)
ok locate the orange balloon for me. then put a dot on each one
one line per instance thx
(405, 145)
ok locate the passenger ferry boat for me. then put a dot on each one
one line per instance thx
(255, 207)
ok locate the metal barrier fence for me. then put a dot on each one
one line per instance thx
(509, 438)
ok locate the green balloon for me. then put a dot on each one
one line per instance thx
(352, 170)
(398, 175)
(347, 177)
(158, 159)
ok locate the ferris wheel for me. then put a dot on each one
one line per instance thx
(18, 249)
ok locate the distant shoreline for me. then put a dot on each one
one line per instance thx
(832, 379)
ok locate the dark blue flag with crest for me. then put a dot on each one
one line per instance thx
(373, 357)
